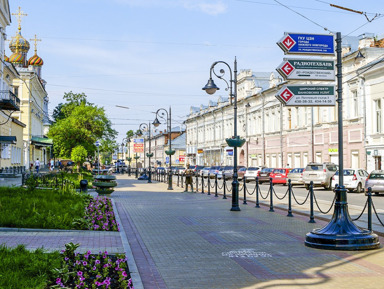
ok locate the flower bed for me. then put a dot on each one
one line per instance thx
(92, 271)
(100, 215)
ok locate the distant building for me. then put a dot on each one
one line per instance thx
(29, 87)
(276, 135)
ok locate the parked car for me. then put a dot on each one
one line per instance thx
(279, 175)
(296, 176)
(354, 179)
(160, 170)
(220, 173)
(375, 181)
(241, 172)
(197, 169)
(227, 172)
(204, 172)
(251, 173)
(320, 174)
(67, 166)
(213, 171)
(264, 175)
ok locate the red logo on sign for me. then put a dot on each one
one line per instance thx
(288, 42)
(286, 94)
(287, 68)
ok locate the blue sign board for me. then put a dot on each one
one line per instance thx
(300, 43)
(166, 160)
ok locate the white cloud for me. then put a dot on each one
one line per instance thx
(208, 7)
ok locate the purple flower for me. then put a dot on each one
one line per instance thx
(79, 273)
(58, 280)
(97, 261)
(85, 263)
(124, 274)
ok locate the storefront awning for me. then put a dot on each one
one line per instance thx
(41, 141)
(7, 140)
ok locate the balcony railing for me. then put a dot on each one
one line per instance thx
(9, 101)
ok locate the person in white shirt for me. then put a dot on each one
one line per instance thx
(52, 165)
(37, 165)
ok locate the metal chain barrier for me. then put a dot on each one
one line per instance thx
(274, 192)
(297, 202)
(333, 202)
(362, 212)
(228, 189)
(377, 215)
(261, 195)
(254, 190)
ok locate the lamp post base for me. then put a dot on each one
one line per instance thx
(342, 234)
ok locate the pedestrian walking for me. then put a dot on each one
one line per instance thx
(37, 165)
(188, 179)
(52, 165)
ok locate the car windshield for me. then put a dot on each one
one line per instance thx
(215, 168)
(242, 169)
(296, 171)
(279, 171)
(266, 170)
(376, 176)
(252, 169)
(314, 168)
(228, 168)
(346, 173)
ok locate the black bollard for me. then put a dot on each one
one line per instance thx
(245, 192)
(289, 199)
(257, 193)
(311, 217)
(83, 186)
(370, 209)
(224, 193)
(202, 183)
(216, 186)
(271, 196)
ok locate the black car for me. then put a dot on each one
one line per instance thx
(264, 175)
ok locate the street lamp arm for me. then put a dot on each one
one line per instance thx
(221, 73)
(162, 113)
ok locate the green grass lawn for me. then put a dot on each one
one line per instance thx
(46, 209)
(20, 268)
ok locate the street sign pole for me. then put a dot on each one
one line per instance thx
(341, 233)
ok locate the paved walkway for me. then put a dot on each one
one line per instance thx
(186, 240)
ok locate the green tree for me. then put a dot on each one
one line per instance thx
(80, 123)
(79, 155)
(130, 134)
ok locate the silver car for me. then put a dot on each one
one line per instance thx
(320, 174)
(375, 181)
(204, 172)
(251, 173)
(296, 176)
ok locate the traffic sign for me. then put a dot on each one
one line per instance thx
(300, 43)
(307, 95)
(97, 143)
(307, 69)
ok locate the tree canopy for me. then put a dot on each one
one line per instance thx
(79, 122)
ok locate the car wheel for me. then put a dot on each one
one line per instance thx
(329, 187)
(359, 188)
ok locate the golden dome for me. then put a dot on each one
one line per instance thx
(19, 44)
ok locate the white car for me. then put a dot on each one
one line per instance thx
(354, 179)
(251, 173)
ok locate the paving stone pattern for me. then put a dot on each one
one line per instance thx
(189, 240)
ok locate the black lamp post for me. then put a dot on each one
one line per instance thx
(122, 156)
(161, 112)
(136, 173)
(129, 156)
(235, 141)
(147, 127)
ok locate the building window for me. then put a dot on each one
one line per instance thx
(355, 100)
(378, 115)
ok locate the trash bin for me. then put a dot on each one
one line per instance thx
(83, 185)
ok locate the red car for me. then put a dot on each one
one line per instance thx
(279, 176)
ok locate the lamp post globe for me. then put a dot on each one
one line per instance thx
(235, 141)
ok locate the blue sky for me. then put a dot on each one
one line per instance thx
(151, 54)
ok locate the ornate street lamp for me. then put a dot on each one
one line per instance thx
(161, 112)
(136, 158)
(129, 159)
(147, 127)
(235, 141)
